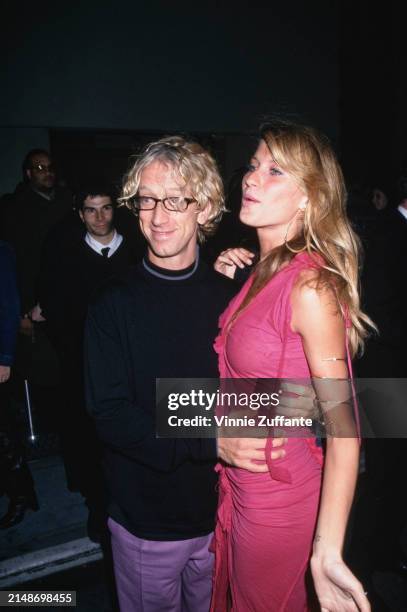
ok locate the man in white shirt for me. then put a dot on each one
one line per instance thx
(96, 213)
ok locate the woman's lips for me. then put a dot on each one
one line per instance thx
(249, 199)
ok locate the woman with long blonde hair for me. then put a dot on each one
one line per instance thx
(297, 316)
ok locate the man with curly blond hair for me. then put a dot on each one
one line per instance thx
(159, 321)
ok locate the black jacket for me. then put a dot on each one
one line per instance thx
(139, 329)
(26, 222)
(71, 271)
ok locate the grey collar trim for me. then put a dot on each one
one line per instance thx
(169, 277)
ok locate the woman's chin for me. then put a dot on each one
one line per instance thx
(247, 218)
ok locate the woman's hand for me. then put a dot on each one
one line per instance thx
(229, 260)
(337, 588)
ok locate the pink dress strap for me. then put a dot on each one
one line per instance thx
(277, 472)
(348, 325)
(220, 543)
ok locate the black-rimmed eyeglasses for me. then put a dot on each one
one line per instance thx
(172, 203)
(43, 168)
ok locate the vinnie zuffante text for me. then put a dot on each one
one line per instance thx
(237, 403)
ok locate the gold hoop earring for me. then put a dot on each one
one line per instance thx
(286, 235)
(296, 251)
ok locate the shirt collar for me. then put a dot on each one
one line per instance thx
(97, 246)
(175, 275)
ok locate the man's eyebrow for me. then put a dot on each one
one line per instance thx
(95, 207)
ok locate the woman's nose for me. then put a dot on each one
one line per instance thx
(250, 178)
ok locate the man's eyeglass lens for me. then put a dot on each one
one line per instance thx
(173, 204)
(43, 167)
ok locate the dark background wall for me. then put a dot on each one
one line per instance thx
(373, 91)
(162, 66)
(204, 67)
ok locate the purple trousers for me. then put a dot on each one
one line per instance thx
(154, 576)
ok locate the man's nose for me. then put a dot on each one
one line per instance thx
(100, 215)
(160, 215)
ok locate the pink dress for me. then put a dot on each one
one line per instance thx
(266, 522)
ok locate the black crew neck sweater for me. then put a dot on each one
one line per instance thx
(141, 327)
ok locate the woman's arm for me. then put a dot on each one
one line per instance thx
(317, 318)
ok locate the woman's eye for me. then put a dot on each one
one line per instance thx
(275, 171)
(250, 168)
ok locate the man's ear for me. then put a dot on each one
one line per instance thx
(28, 174)
(81, 216)
(203, 215)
